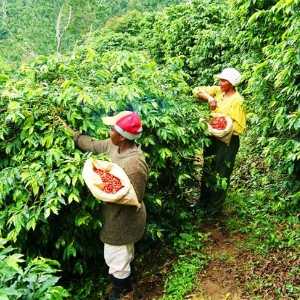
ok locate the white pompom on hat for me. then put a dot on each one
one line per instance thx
(126, 123)
(232, 75)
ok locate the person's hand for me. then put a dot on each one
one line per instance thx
(196, 92)
(212, 102)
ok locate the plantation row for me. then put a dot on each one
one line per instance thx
(149, 63)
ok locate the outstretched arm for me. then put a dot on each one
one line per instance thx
(84, 142)
(88, 144)
(206, 94)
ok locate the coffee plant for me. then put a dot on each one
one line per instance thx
(43, 198)
(149, 62)
(34, 280)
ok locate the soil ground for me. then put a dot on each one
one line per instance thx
(219, 280)
(233, 273)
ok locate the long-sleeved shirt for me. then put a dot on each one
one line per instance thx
(231, 106)
(122, 224)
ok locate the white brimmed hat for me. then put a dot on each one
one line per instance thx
(232, 75)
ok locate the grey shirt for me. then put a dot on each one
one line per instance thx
(122, 224)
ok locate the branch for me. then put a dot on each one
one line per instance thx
(4, 9)
(60, 31)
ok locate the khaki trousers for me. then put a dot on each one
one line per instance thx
(118, 259)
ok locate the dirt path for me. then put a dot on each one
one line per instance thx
(237, 274)
(219, 280)
(234, 273)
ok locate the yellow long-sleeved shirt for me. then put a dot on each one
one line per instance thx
(231, 106)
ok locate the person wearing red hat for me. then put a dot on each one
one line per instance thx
(123, 225)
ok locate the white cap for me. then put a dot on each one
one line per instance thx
(232, 75)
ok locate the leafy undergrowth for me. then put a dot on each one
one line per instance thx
(34, 280)
(183, 275)
(189, 260)
(274, 276)
(169, 272)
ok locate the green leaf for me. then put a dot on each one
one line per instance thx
(14, 260)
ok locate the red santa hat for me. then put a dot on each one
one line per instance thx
(126, 123)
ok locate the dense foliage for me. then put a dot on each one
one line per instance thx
(149, 62)
(270, 175)
(36, 280)
(35, 27)
(43, 198)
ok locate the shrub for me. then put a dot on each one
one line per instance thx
(33, 280)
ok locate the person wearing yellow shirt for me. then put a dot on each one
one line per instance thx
(219, 157)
